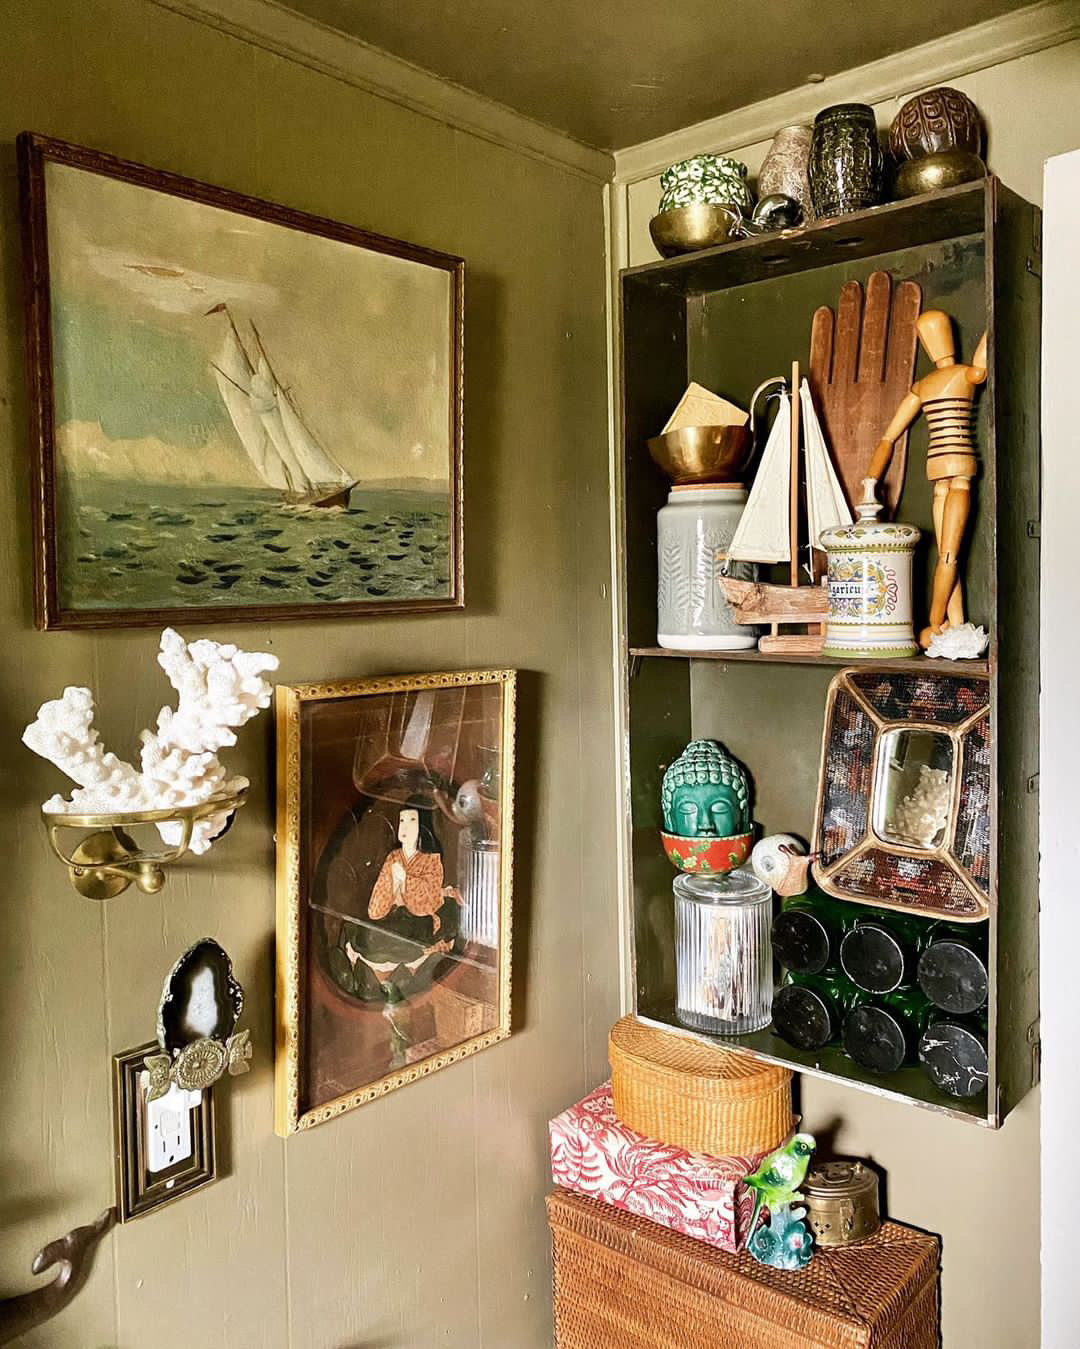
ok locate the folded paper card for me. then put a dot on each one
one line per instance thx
(699, 407)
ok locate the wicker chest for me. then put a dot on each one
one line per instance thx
(622, 1282)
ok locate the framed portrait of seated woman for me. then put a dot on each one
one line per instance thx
(395, 814)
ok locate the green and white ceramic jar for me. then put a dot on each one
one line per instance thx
(870, 588)
(712, 180)
(693, 532)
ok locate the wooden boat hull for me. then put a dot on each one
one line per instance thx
(758, 602)
(337, 496)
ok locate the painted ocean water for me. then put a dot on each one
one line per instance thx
(138, 546)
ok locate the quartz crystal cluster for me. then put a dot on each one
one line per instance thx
(921, 816)
(219, 688)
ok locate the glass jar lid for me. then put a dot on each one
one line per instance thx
(873, 958)
(801, 941)
(875, 1039)
(953, 976)
(955, 1058)
(739, 888)
(803, 1017)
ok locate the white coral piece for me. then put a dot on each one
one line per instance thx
(966, 642)
(219, 688)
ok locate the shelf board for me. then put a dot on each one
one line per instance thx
(753, 657)
(910, 1085)
(951, 213)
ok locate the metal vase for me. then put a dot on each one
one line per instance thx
(785, 170)
(847, 163)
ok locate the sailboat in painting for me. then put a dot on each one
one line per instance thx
(768, 530)
(268, 422)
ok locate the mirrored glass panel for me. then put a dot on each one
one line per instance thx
(913, 788)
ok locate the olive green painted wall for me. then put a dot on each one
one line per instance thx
(417, 1220)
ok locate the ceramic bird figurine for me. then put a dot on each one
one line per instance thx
(777, 1179)
(784, 1242)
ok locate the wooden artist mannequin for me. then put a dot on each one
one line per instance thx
(947, 396)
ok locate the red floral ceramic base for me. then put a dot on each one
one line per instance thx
(707, 856)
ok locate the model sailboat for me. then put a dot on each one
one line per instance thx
(275, 437)
(768, 531)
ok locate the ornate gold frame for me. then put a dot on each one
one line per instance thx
(957, 734)
(288, 1118)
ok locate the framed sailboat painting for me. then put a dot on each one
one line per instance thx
(240, 411)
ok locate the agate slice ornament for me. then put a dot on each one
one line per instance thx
(201, 1003)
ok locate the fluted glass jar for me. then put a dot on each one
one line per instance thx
(723, 952)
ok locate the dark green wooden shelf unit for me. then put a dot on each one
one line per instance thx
(729, 317)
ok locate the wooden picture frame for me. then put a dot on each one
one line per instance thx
(395, 806)
(190, 466)
(140, 1191)
(871, 717)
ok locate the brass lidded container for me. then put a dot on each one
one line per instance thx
(842, 1202)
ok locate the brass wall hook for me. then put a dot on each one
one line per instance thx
(105, 862)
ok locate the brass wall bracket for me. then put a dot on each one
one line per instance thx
(106, 861)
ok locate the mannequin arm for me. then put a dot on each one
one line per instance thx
(904, 416)
(977, 368)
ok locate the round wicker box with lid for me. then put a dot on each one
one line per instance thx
(676, 1089)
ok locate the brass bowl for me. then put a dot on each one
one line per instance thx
(688, 228)
(947, 168)
(703, 453)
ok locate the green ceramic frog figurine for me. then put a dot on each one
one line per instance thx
(705, 793)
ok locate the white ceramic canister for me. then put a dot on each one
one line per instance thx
(870, 587)
(692, 534)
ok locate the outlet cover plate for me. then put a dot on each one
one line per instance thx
(163, 1150)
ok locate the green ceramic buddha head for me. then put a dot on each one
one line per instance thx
(705, 793)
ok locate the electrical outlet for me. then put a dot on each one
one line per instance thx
(165, 1149)
(168, 1138)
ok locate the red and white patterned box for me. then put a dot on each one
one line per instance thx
(594, 1153)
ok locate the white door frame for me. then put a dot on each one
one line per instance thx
(1059, 795)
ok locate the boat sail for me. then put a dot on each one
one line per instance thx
(269, 425)
(768, 528)
(763, 534)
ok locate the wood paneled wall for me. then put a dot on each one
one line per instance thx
(417, 1220)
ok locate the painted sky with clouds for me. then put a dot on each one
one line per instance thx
(360, 338)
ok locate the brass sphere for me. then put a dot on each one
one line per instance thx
(151, 878)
